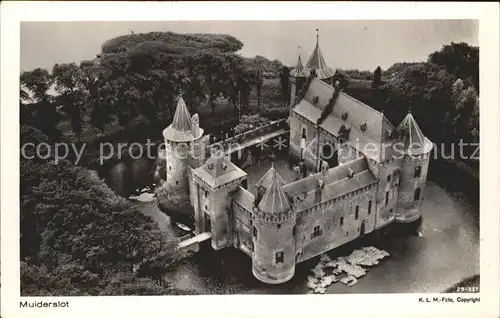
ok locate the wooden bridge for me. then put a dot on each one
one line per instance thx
(190, 242)
(253, 137)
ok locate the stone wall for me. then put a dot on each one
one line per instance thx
(328, 218)
(269, 240)
(409, 209)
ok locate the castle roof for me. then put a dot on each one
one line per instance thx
(299, 70)
(348, 112)
(219, 170)
(335, 183)
(274, 199)
(410, 135)
(181, 128)
(267, 179)
(317, 62)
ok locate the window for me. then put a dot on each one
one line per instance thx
(169, 167)
(389, 178)
(341, 220)
(206, 207)
(369, 207)
(317, 231)
(416, 196)
(417, 172)
(206, 193)
(304, 135)
(387, 197)
(279, 257)
(254, 232)
(356, 215)
(294, 230)
(279, 226)
(176, 182)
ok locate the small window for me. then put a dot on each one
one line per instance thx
(356, 215)
(416, 196)
(317, 231)
(254, 232)
(176, 182)
(369, 207)
(206, 193)
(279, 257)
(279, 226)
(294, 231)
(387, 197)
(341, 220)
(304, 135)
(418, 171)
(206, 207)
(169, 167)
(389, 178)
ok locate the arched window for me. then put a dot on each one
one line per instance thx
(416, 196)
(417, 172)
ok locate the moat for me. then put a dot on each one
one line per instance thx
(443, 252)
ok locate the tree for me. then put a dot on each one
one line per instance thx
(285, 82)
(377, 77)
(259, 80)
(461, 60)
(68, 80)
(37, 83)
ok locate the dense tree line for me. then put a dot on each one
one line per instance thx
(141, 75)
(79, 238)
(442, 94)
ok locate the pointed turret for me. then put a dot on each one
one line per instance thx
(299, 70)
(275, 199)
(317, 62)
(181, 129)
(411, 137)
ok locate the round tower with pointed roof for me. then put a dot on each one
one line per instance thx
(273, 232)
(298, 77)
(317, 62)
(181, 139)
(413, 149)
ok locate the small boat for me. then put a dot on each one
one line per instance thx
(183, 227)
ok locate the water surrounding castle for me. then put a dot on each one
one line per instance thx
(355, 173)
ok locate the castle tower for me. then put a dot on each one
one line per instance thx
(298, 77)
(212, 186)
(273, 259)
(317, 62)
(181, 151)
(413, 148)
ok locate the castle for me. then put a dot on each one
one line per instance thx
(378, 177)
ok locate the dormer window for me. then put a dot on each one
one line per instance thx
(363, 127)
(210, 166)
(344, 115)
(315, 99)
(224, 166)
